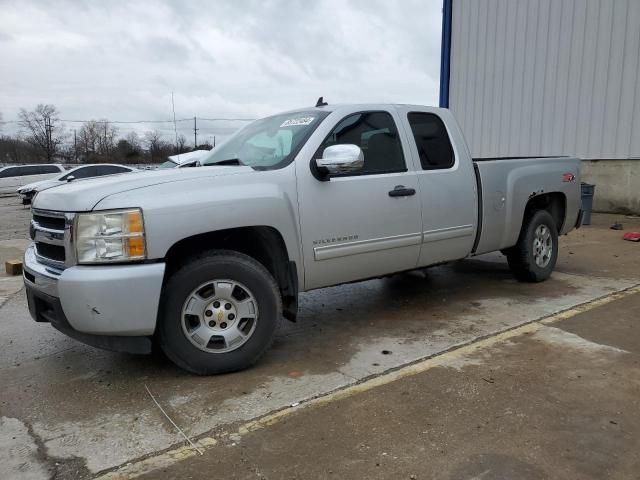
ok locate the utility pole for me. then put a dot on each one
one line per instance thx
(214, 141)
(195, 134)
(47, 127)
(175, 128)
(75, 146)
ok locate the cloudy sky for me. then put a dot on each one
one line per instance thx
(223, 59)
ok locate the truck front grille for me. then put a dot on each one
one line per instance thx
(52, 252)
(54, 223)
(49, 231)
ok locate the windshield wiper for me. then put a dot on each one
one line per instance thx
(228, 161)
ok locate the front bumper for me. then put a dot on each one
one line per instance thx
(113, 306)
(27, 197)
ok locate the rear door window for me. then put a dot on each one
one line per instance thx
(49, 169)
(85, 172)
(38, 170)
(35, 170)
(432, 141)
(25, 170)
(28, 170)
(110, 170)
(10, 172)
(113, 169)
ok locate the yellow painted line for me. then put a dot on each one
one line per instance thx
(156, 462)
(170, 457)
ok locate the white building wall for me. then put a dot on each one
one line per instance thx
(547, 77)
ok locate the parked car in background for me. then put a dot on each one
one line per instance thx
(185, 160)
(27, 192)
(16, 176)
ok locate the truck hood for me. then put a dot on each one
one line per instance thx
(84, 196)
(37, 185)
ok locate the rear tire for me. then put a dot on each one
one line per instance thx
(534, 257)
(219, 313)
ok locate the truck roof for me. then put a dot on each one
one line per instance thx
(359, 106)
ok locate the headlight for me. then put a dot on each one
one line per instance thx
(111, 236)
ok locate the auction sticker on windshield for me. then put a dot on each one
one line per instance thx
(294, 122)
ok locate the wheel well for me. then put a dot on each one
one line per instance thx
(555, 203)
(264, 244)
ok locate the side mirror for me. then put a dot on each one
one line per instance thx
(70, 178)
(340, 159)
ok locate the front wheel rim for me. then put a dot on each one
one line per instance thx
(219, 316)
(542, 246)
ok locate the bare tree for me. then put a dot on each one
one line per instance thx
(155, 145)
(98, 139)
(128, 149)
(15, 150)
(43, 130)
(181, 146)
(204, 145)
(107, 135)
(88, 138)
(134, 141)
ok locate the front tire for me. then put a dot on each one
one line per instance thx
(219, 313)
(534, 257)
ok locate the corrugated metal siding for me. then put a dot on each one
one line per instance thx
(547, 77)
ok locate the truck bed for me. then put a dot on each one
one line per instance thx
(507, 184)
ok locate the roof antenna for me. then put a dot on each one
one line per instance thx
(321, 102)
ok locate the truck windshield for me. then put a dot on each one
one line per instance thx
(168, 164)
(268, 143)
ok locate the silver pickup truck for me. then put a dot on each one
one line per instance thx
(204, 262)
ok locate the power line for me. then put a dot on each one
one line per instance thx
(109, 121)
(124, 121)
(190, 119)
(195, 133)
(227, 119)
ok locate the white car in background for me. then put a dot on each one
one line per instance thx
(12, 177)
(27, 192)
(185, 160)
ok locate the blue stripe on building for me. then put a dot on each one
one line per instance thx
(445, 53)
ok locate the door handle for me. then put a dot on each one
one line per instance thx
(402, 191)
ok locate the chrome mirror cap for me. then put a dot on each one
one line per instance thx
(340, 159)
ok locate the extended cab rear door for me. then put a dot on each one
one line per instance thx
(351, 226)
(446, 181)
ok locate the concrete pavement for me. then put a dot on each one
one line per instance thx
(557, 400)
(79, 412)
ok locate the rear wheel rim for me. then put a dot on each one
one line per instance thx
(219, 316)
(542, 246)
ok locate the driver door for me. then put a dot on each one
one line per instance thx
(354, 226)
